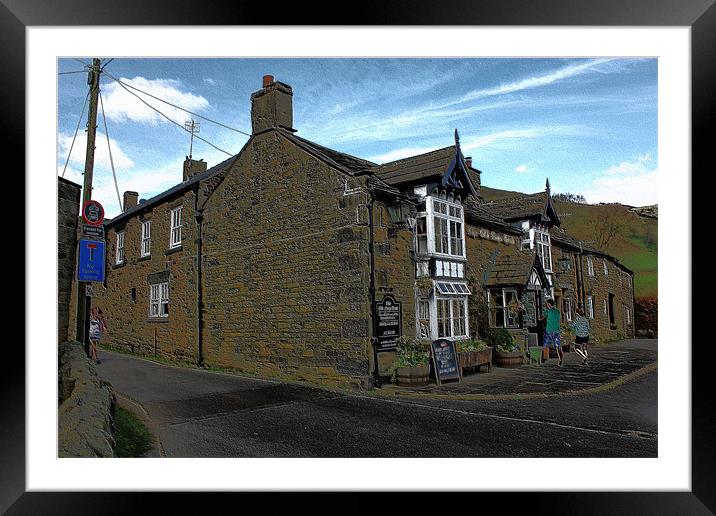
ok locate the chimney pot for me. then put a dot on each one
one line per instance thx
(272, 106)
(268, 80)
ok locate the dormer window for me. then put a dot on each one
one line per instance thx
(544, 248)
(448, 230)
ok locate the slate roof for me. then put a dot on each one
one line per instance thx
(522, 207)
(561, 237)
(174, 191)
(345, 162)
(415, 168)
(475, 211)
(512, 267)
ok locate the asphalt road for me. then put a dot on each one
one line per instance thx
(197, 413)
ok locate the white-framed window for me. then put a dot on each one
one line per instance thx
(606, 268)
(175, 236)
(451, 316)
(159, 300)
(421, 231)
(590, 265)
(590, 307)
(544, 248)
(424, 309)
(119, 253)
(146, 238)
(448, 228)
(628, 317)
(501, 314)
(606, 310)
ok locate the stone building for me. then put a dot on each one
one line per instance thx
(68, 209)
(273, 261)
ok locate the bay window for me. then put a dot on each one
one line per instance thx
(447, 228)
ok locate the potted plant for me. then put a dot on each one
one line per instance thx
(411, 366)
(474, 353)
(506, 353)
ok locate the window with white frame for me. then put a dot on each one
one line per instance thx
(628, 316)
(502, 303)
(606, 310)
(175, 236)
(159, 299)
(544, 249)
(146, 238)
(606, 268)
(421, 231)
(590, 265)
(590, 307)
(451, 316)
(119, 253)
(448, 228)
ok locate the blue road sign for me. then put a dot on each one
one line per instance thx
(91, 261)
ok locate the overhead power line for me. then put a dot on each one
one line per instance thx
(125, 85)
(165, 116)
(75, 136)
(75, 71)
(109, 147)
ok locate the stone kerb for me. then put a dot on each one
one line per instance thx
(86, 406)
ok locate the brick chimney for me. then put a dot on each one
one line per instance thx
(272, 106)
(193, 167)
(468, 161)
(130, 200)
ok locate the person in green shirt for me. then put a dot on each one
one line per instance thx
(551, 332)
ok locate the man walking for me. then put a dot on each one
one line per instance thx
(552, 337)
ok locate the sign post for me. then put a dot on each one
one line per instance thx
(90, 262)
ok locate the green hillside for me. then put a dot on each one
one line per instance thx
(635, 244)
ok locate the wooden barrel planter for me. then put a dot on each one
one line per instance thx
(412, 376)
(508, 358)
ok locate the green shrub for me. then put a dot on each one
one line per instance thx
(411, 353)
(470, 345)
(500, 339)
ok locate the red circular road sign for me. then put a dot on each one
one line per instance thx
(93, 213)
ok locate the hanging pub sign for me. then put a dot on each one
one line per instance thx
(389, 321)
(445, 362)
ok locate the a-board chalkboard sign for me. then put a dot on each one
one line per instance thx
(389, 320)
(445, 362)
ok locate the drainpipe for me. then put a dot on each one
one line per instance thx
(374, 330)
(198, 218)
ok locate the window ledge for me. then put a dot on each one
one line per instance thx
(158, 319)
(119, 265)
(173, 250)
(144, 258)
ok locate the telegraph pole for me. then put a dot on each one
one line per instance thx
(84, 301)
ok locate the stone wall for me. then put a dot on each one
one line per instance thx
(85, 406)
(647, 317)
(394, 274)
(286, 268)
(68, 209)
(125, 296)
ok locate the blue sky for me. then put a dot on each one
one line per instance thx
(590, 125)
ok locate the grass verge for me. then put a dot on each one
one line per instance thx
(132, 439)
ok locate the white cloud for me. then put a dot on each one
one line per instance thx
(640, 166)
(209, 81)
(469, 144)
(630, 182)
(521, 169)
(122, 106)
(101, 153)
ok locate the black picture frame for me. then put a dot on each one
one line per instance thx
(700, 15)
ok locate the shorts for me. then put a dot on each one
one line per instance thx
(581, 340)
(552, 339)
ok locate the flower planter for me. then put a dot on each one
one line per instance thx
(412, 376)
(475, 358)
(508, 358)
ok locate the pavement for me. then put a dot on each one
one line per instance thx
(607, 409)
(609, 365)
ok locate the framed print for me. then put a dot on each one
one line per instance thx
(672, 41)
